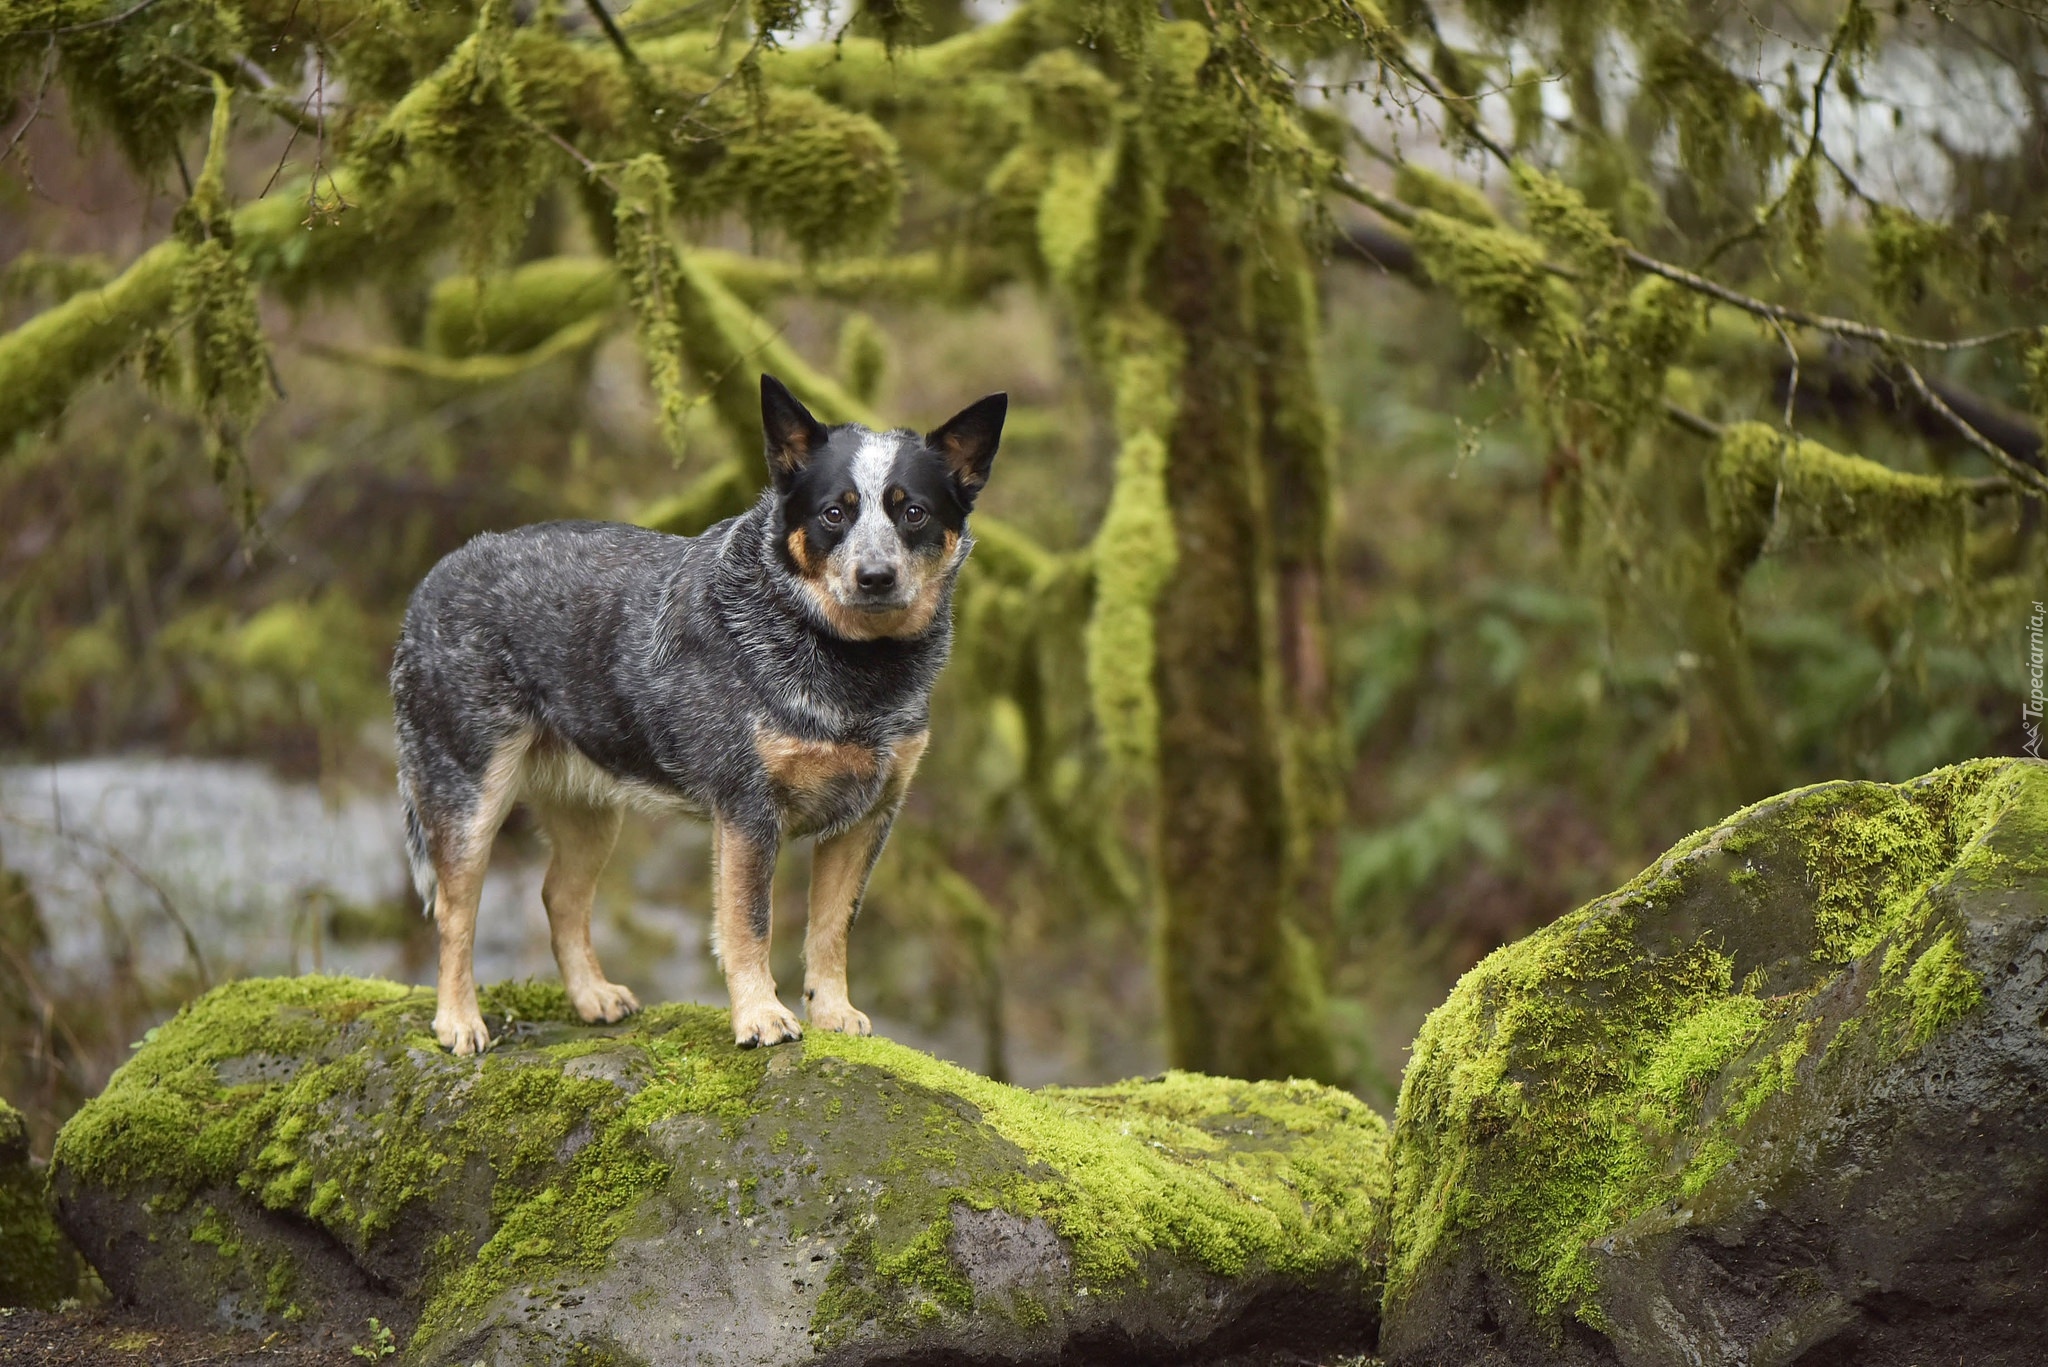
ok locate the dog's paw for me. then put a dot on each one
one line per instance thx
(762, 1023)
(838, 1015)
(603, 1002)
(462, 1033)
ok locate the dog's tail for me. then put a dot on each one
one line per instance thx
(423, 877)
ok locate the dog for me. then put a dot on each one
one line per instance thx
(772, 675)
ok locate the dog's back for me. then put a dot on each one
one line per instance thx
(534, 635)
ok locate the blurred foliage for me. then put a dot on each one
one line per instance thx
(1547, 558)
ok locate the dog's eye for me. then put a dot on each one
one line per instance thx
(834, 516)
(914, 516)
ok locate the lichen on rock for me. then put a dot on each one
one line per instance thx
(299, 1151)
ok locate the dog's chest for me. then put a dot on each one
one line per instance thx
(822, 785)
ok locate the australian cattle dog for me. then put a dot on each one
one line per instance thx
(772, 675)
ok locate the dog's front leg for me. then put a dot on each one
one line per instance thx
(745, 870)
(839, 877)
(840, 868)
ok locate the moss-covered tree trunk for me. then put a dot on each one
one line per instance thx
(1241, 992)
(1295, 456)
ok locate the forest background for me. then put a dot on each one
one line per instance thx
(1455, 451)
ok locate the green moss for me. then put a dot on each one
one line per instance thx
(1623, 1057)
(1560, 216)
(522, 308)
(217, 1233)
(829, 178)
(1228, 1174)
(1425, 189)
(1135, 549)
(1765, 488)
(1501, 281)
(37, 1265)
(1939, 990)
(863, 357)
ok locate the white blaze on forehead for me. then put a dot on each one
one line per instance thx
(873, 533)
(872, 464)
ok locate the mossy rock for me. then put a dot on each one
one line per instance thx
(38, 1267)
(300, 1151)
(1782, 1099)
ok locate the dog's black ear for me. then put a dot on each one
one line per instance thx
(967, 443)
(792, 435)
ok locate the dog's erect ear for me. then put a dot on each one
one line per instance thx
(793, 436)
(967, 443)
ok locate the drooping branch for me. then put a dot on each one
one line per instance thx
(2017, 470)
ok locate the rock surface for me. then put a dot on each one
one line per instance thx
(37, 1266)
(1781, 1100)
(299, 1151)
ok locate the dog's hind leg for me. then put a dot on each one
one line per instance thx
(582, 838)
(461, 852)
(744, 870)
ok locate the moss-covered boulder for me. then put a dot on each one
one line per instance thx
(37, 1265)
(1782, 1099)
(300, 1151)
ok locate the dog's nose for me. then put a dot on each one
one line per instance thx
(875, 578)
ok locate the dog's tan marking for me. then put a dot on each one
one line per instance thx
(959, 453)
(793, 451)
(799, 543)
(930, 574)
(460, 857)
(742, 870)
(839, 877)
(582, 838)
(809, 768)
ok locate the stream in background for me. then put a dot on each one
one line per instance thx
(125, 855)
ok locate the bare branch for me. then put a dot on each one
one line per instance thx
(2015, 468)
(35, 109)
(613, 32)
(1840, 327)
(108, 22)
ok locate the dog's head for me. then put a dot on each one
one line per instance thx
(874, 524)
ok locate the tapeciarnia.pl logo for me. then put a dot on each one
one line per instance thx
(2030, 710)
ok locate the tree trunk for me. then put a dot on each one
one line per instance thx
(1241, 990)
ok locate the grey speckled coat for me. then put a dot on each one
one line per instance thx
(772, 674)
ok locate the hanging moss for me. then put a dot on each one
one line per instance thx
(1633, 344)
(467, 128)
(1561, 218)
(1501, 281)
(830, 179)
(1715, 112)
(652, 268)
(1765, 488)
